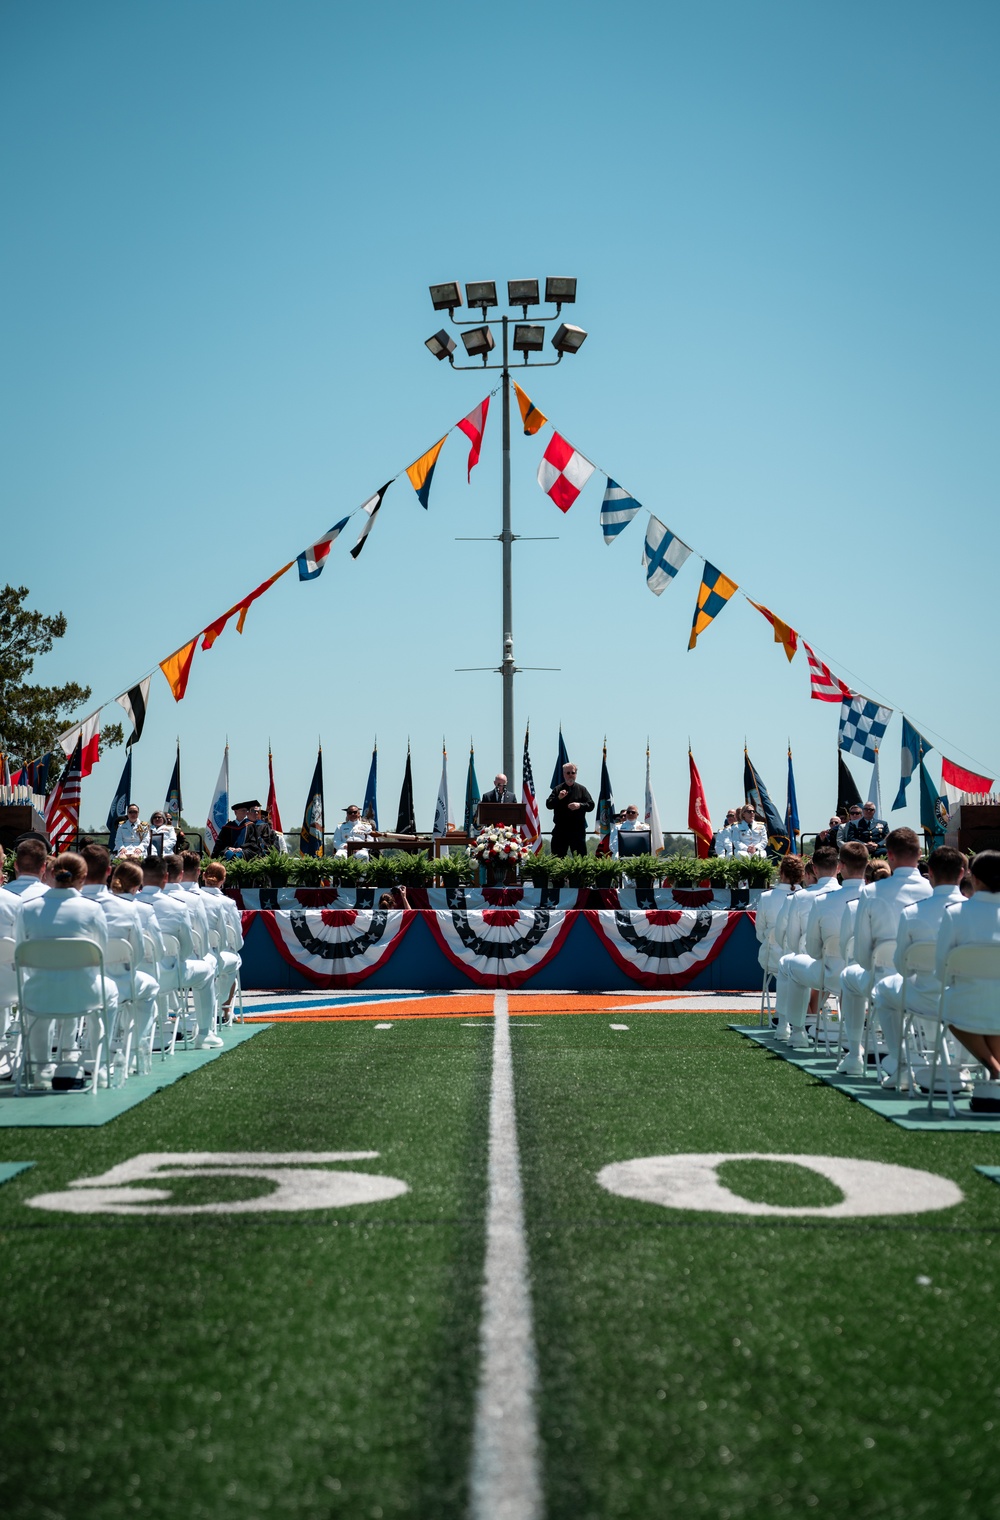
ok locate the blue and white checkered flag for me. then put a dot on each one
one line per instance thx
(617, 510)
(663, 554)
(862, 727)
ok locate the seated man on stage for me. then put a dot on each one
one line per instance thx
(871, 831)
(245, 836)
(569, 805)
(820, 965)
(723, 843)
(354, 828)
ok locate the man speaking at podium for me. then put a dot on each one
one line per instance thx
(500, 792)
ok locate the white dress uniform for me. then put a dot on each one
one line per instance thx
(972, 1006)
(918, 925)
(724, 841)
(168, 834)
(199, 971)
(219, 921)
(876, 923)
(25, 887)
(749, 839)
(768, 906)
(789, 939)
(232, 913)
(128, 837)
(821, 963)
(360, 829)
(9, 905)
(62, 913)
(123, 921)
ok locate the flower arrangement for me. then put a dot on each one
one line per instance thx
(499, 845)
(131, 852)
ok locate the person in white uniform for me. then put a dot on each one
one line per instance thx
(918, 924)
(724, 837)
(132, 833)
(9, 904)
(30, 857)
(972, 1007)
(749, 837)
(174, 918)
(790, 928)
(123, 921)
(174, 886)
(213, 883)
(62, 913)
(790, 874)
(355, 829)
(821, 963)
(876, 925)
(228, 962)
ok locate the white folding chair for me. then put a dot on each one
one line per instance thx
(883, 962)
(918, 960)
(120, 962)
(10, 1027)
(76, 1002)
(979, 963)
(770, 970)
(171, 974)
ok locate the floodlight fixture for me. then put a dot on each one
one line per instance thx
(478, 342)
(442, 345)
(446, 297)
(560, 290)
(481, 293)
(522, 293)
(528, 339)
(568, 339)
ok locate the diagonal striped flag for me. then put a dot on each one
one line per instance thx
(312, 560)
(663, 554)
(421, 472)
(825, 686)
(531, 417)
(617, 510)
(474, 426)
(713, 594)
(370, 508)
(135, 702)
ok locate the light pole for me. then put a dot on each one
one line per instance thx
(479, 342)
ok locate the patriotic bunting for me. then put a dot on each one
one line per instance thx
(713, 594)
(370, 508)
(617, 510)
(338, 947)
(825, 687)
(135, 702)
(499, 947)
(311, 561)
(242, 607)
(662, 947)
(421, 471)
(783, 634)
(177, 668)
(862, 726)
(474, 426)
(531, 417)
(663, 554)
(563, 472)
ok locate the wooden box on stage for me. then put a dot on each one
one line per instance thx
(509, 814)
(19, 818)
(975, 826)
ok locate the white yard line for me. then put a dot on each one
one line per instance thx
(506, 1474)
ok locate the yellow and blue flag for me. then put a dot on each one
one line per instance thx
(713, 594)
(531, 417)
(421, 471)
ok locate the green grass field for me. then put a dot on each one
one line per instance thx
(325, 1361)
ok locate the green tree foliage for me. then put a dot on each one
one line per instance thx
(32, 717)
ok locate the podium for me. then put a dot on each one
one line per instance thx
(974, 826)
(19, 818)
(509, 814)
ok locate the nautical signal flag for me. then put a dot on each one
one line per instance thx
(370, 510)
(783, 634)
(421, 472)
(663, 554)
(474, 426)
(825, 686)
(957, 782)
(862, 726)
(88, 736)
(563, 472)
(914, 748)
(135, 702)
(312, 560)
(532, 418)
(617, 510)
(713, 594)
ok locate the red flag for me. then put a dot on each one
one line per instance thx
(825, 686)
(214, 629)
(957, 783)
(784, 634)
(273, 816)
(563, 472)
(88, 735)
(698, 818)
(474, 426)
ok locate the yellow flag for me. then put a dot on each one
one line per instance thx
(421, 471)
(713, 594)
(783, 633)
(177, 668)
(532, 418)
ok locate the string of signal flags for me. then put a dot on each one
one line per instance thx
(562, 474)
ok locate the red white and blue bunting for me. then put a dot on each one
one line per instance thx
(337, 946)
(662, 947)
(499, 947)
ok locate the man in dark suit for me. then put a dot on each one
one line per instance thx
(569, 804)
(500, 792)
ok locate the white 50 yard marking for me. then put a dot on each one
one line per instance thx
(506, 1483)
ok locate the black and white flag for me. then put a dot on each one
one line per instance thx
(135, 701)
(370, 508)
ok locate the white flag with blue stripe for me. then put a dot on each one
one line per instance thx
(617, 510)
(663, 554)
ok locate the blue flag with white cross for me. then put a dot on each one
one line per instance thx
(663, 554)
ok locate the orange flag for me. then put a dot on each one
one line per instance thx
(177, 668)
(783, 634)
(531, 417)
(214, 629)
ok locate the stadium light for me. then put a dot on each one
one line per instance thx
(478, 342)
(559, 290)
(568, 339)
(528, 339)
(446, 297)
(442, 345)
(522, 293)
(481, 293)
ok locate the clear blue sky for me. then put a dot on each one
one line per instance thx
(220, 224)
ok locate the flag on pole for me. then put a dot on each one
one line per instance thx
(663, 554)
(875, 790)
(698, 818)
(271, 811)
(531, 417)
(218, 813)
(311, 832)
(174, 803)
(370, 808)
(312, 560)
(88, 735)
(177, 668)
(421, 472)
(561, 759)
(784, 634)
(862, 726)
(933, 812)
(848, 795)
(824, 687)
(38, 774)
(713, 594)
(442, 810)
(135, 702)
(792, 827)
(652, 815)
(756, 794)
(120, 801)
(957, 783)
(4, 771)
(617, 510)
(915, 746)
(474, 426)
(563, 472)
(472, 794)
(406, 822)
(370, 509)
(607, 822)
(531, 828)
(62, 811)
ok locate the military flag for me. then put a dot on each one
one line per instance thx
(713, 594)
(406, 822)
(120, 801)
(442, 810)
(756, 794)
(271, 811)
(698, 818)
(792, 828)
(312, 830)
(561, 759)
(174, 803)
(472, 794)
(607, 822)
(62, 811)
(848, 795)
(933, 812)
(370, 808)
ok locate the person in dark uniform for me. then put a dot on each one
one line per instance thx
(569, 804)
(500, 791)
(232, 835)
(868, 830)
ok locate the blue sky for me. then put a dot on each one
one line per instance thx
(221, 222)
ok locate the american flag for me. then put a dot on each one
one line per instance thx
(826, 687)
(62, 811)
(531, 828)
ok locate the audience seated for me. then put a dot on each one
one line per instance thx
(878, 870)
(818, 967)
(790, 927)
(123, 922)
(30, 857)
(972, 1007)
(790, 874)
(219, 922)
(214, 880)
(174, 917)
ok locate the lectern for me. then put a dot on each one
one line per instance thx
(509, 814)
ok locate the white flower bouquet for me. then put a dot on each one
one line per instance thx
(498, 845)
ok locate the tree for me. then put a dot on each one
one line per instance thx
(32, 717)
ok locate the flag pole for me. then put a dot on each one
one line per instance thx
(507, 667)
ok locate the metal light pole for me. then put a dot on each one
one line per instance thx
(479, 342)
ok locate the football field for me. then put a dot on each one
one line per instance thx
(499, 1260)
